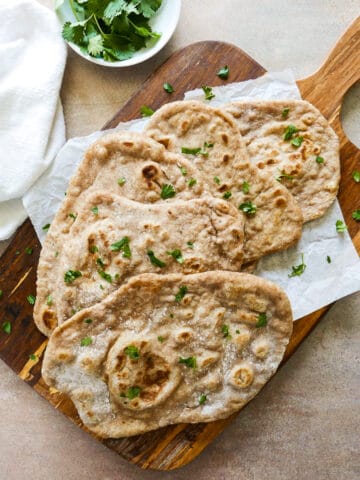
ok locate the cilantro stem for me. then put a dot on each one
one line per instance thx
(98, 25)
(74, 10)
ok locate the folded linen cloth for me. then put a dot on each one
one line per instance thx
(32, 129)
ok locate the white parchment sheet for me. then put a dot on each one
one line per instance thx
(320, 284)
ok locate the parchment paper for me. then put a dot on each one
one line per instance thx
(332, 263)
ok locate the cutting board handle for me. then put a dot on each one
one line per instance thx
(338, 73)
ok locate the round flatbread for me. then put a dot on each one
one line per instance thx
(165, 349)
(294, 143)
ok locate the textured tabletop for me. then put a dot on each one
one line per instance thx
(305, 423)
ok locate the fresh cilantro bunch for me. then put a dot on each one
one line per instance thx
(111, 29)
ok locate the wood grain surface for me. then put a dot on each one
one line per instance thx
(171, 447)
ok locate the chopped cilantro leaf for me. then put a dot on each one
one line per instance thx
(223, 72)
(183, 170)
(146, 111)
(356, 176)
(88, 321)
(282, 175)
(121, 181)
(289, 132)
(124, 245)
(340, 226)
(262, 320)
(183, 290)
(168, 88)
(33, 357)
(161, 339)
(49, 300)
(227, 195)
(177, 255)
(190, 151)
(6, 327)
(167, 191)
(202, 399)
(100, 262)
(190, 362)
(245, 187)
(248, 208)
(132, 352)
(93, 249)
(285, 112)
(319, 159)
(192, 182)
(105, 276)
(297, 141)
(31, 299)
(208, 92)
(217, 180)
(237, 331)
(71, 275)
(328, 259)
(356, 215)
(46, 227)
(298, 269)
(95, 210)
(85, 342)
(225, 331)
(73, 216)
(28, 250)
(133, 392)
(190, 244)
(154, 260)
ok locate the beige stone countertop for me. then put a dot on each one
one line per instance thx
(305, 423)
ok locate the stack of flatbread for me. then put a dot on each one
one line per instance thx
(142, 284)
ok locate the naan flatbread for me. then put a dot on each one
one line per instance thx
(122, 163)
(125, 238)
(211, 139)
(294, 143)
(165, 349)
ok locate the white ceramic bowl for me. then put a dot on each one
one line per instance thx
(164, 21)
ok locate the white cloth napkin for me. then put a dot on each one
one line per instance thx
(32, 129)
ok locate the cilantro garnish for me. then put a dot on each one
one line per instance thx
(192, 182)
(71, 275)
(217, 180)
(31, 299)
(167, 191)
(93, 249)
(328, 259)
(49, 300)
(248, 208)
(146, 111)
(208, 92)
(6, 327)
(177, 255)
(133, 392)
(95, 210)
(46, 227)
(319, 159)
(340, 226)
(225, 331)
(105, 276)
(285, 112)
(132, 352)
(111, 29)
(190, 244)
(88, 321)
(245, 187)
(223, 72)
(189, 361)
(190, 151)
(168, 87)
(297, 141)
(183, 170)
(289, 132)
(100, 262)
(282, 175)
(121, 181)
(124, 245)
(154, 260)
(262, 320)
(160, 339)
(227, 195)
(28, 250)
(356, 176)
(33, 357)
(85, 342)
(73, 216)
(356, 215)
(298, 269)
(202, 399)
(183, 290)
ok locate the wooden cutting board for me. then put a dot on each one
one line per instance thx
(191, 67)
